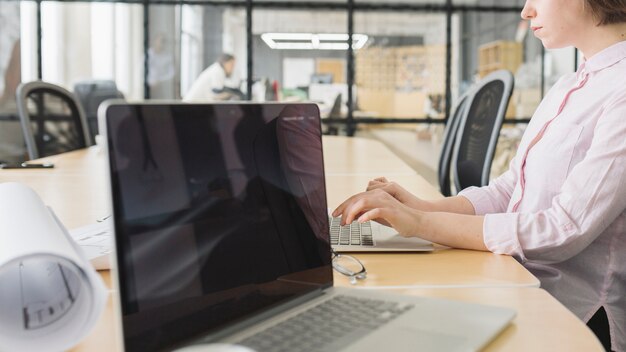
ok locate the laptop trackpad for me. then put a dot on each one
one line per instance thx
(387, 237)
(400, 339)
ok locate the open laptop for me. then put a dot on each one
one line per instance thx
(371, 236)
(221, 235)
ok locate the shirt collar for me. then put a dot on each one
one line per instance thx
(603, 59)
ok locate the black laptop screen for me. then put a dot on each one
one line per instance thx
(220, 213)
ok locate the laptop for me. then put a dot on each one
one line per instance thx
(221, 236)
(371, 236)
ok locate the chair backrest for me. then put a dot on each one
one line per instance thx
(479, 129)
(449, 136)
(91, 94)
(52, 120)
(335, 110)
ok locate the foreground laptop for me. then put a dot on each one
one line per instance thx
(221, 235)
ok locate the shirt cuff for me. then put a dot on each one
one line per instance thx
(500, 234)
(479, 199)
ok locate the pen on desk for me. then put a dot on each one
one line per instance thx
(26, 165)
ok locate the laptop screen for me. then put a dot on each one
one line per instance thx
(220, 214)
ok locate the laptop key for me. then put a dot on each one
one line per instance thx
(354, 234)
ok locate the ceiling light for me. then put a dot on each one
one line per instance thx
(311, 41)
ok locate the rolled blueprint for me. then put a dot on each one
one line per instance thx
(50, 296)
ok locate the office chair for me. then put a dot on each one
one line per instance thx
(335, 112)
(52, 120)
(449, 136)
(91, 94)
(479, 129)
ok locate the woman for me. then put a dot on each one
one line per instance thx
(561, 207)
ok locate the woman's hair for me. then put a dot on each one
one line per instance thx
(607, 11)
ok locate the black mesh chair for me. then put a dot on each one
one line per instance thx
(52, 120)
(449, 136)
(91, 94)
(479, 130)
(335, 112)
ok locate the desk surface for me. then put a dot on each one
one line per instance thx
(75, 188)
(361, 156)
(81, 175)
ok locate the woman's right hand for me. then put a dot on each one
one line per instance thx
(398, 192)
(380, 206)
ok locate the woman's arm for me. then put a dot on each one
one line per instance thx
(453, 230)
(493, 198)
(456, 204)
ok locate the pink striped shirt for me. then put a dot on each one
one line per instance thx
(561, 207)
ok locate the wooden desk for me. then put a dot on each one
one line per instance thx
(340, 187)
(361, 156)
(76, 190)
(441, 268)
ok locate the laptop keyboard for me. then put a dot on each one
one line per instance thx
(329, 326)
(354, 234)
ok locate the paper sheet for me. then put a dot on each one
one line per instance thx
(50, 296)
(96, 241)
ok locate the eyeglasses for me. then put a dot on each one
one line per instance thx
(349, 266)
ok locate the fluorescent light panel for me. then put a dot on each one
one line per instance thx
(311, 41)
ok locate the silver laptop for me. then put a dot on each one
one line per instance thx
(221, 236)
(371, 236)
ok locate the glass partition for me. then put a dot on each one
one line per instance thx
(86, 42)
(207, 34)
(163, 52)
(400, 72)
(11, 141)
(301, 55)
(491, 41)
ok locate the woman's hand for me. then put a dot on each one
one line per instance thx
(380, 206)
(398, 192)
(459, 230)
